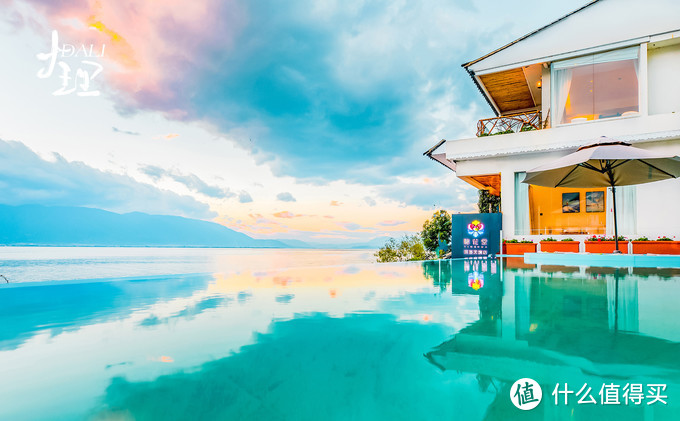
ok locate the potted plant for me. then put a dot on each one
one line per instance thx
(566, 245)
(516, 247)
(597, 244)
(662, 245)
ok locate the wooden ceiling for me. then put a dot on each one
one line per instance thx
(490, 182)
(509, 90)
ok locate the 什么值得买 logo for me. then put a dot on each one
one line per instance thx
(475, 228)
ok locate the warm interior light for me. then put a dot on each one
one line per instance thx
(539, 84)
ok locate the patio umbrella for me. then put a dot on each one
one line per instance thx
(606, 164)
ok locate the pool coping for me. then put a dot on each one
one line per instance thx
(604, 260)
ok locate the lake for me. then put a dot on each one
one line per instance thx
(33, 264)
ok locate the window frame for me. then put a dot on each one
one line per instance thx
(641, 78)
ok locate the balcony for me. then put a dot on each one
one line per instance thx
(512, 123)
(643, 128)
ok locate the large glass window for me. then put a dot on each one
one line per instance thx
(567, 211)
(596, 86)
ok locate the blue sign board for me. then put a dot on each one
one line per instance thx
(476, 235)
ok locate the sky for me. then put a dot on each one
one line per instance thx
(293, 120)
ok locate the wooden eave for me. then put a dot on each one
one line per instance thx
(508, 90)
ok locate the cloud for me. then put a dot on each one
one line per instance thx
(342, 81)
(369, 201)
(25, 178)
(285, 197)
(286, 214)
(349, 90)
(351, 226)
(391, 223)
(447, 192)
(335, 203)
(117, 130)
(244, 197)
(190, 181)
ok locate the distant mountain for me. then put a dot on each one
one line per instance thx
(77, 226)
(374, 243)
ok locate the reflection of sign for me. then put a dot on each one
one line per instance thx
(475, 280)
(475, 235)
(475, 228)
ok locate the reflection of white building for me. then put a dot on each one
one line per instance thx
(610, 68)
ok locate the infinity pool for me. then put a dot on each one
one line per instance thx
(413, 341)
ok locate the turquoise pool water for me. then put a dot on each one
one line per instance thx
(414, 341)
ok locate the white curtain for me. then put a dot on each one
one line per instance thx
(560, 80)
(626, 211)
(522, 221)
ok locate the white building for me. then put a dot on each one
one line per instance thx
(610, 68)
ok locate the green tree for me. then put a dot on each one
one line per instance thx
(407, 248)
(488, 203)
(436, 228)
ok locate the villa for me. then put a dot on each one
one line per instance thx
(564, 86)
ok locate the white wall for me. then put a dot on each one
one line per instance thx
(659, 203)
(664, 79)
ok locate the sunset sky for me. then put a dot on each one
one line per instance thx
(301, 119)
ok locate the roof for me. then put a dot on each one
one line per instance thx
(470, 63)
(608, 24)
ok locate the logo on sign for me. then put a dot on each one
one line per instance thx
(475, 228)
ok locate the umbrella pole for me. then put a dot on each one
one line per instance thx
(616, 225)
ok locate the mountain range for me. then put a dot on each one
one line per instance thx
(39, 225)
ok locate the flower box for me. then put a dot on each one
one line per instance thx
(605, 246)
(560, 246)
(518, 248)
(656, 247)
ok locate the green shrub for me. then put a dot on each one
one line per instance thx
(408, 248)
(435, 229)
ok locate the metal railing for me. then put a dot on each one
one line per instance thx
(513, 123)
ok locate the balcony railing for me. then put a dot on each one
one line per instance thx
(513, 123)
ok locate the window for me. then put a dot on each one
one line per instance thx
(595, 87)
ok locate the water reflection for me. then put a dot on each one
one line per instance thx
(341, 342)
(571, 325)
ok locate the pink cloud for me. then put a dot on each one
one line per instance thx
(286, 214)
(151, 46)
(335, 203)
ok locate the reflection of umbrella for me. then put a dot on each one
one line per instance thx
(606, 164)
